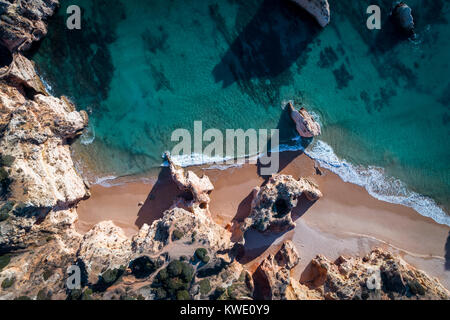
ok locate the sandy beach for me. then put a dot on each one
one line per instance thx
(346, 221)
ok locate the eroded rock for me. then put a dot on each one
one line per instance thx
(273, 276)
(378, 275)
(23, 22)
(197, 190)
(105, 247)
(306, 126)
(320, 9)
(403, 17)
(194, 227)
(273, 203)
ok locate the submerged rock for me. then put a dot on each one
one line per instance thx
(403, 17)
(306, 126)
(320, 9)
(273, 203)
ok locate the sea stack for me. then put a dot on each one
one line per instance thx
(403, 17)
(306, 126)
(320, 9)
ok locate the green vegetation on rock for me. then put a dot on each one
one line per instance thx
(177, 235)
(143, 267)
(4, 261)
(7, 283)
(43, 295)
(205, 286)
(108, 278)
(183, 295)
(202, 255)
(173, 280)
(6, 160)
(5, 181)
(87, 294)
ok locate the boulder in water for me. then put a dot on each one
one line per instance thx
(403, 17)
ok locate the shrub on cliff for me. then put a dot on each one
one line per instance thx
(108, 278)
(7, 283)
(4, 261)
(5, 210)
(177, 235)
(202, 255)
(5, 181)
(205, 286)
(183, 295)
(6, 160)
(143, 267)
(176, 277)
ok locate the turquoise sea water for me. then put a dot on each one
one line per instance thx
(146, 68)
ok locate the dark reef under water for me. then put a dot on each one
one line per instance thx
(146, 68)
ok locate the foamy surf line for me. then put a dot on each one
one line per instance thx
(373, 179)
(377, 184)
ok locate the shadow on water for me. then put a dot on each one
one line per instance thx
(287, 132)
(271, 42)
(159, 200)
(447, 253)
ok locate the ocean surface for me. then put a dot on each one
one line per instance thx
(145, 68)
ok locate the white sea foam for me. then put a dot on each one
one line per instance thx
(88, 136)
(376, 182)
(106, 181)
(47, 85)
(373, 179)
(195, 159)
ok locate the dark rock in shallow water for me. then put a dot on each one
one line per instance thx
(402, 15)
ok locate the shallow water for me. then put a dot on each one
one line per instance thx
(146, 68)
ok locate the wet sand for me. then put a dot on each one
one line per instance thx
(346, 221)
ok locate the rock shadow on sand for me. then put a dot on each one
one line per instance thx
(160, 199)
(447, 253)
(256, 243)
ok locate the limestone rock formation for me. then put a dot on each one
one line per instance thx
(195, 227)
(105, 247)
(21, 73)
(35, 136)
(320, 9)
(197, 190)
(273, 276)
(23, 22)
(403, 17)
(273, 203)
(378, 275)
(306, 126)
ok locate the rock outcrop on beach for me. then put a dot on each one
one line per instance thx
(378, 275)
(402, 15)
(306, 126)
(23, 22)
(196, 190)
(105, 247)
(180, 224)
(273, 203)
(320, 9)
(273, 276)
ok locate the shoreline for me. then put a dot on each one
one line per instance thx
(347, 221)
